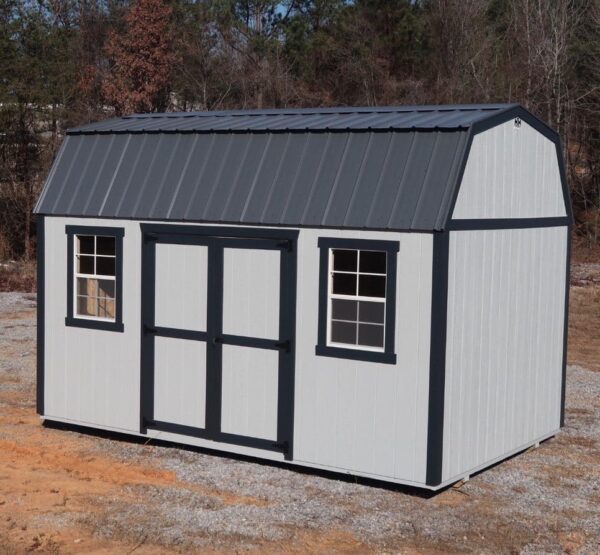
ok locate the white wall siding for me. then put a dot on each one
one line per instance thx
(504, 342)
(360, 417)
(363, 416)
(511, 172)
(91, 376)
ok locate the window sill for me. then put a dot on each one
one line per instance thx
(355, 354)
(94, 324)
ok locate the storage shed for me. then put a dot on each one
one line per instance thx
(374, 291)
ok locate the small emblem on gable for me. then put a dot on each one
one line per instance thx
(517, 123)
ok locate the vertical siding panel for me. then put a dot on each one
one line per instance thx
(424, 252)
(391, 425)
(453, 347)
(361, 416)
(92, 376)
(505, 367)
(505, 178)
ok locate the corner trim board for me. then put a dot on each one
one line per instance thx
(565, 330)
(437, 359)
(41, 308)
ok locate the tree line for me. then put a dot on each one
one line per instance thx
(68, 62)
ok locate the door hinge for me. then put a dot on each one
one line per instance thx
(149, 330)
(148, 236)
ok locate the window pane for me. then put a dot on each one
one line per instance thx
(372, 312)
(105, 266)
(87, 287)
(86, 306)
(85, 244)
(343, 310)
(85, 264)
(372, 286)
(372, 262)
(370, 335)
(343, 332)
(106, 288)
(105, 245)
(106, 308)
(344, 260)
(344, 284)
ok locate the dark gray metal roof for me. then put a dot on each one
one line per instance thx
(315, 119)
(272, 167)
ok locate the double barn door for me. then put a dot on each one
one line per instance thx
(218, 310)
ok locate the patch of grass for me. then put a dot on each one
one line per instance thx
(18, 275)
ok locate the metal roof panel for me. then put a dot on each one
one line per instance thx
(390, 168)
(315, 119)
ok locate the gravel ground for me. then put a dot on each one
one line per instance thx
(17, 341)
(544, 501)
(585, 273)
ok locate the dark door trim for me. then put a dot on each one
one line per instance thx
(217, 239)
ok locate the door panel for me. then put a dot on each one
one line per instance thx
(181, 286)
(217, 353)
(180, 381)
(251, 292)
(250, 384)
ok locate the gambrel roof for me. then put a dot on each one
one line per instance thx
(390, 168)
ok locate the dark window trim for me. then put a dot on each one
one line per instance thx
(73, 321)
(388, 356)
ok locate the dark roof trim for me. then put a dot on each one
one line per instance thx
(331, 110)
(225, 131)
(236, 224)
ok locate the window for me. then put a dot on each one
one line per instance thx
(357, 299)
(94, 283)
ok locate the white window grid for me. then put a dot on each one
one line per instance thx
(95, 275)
(331, 295)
